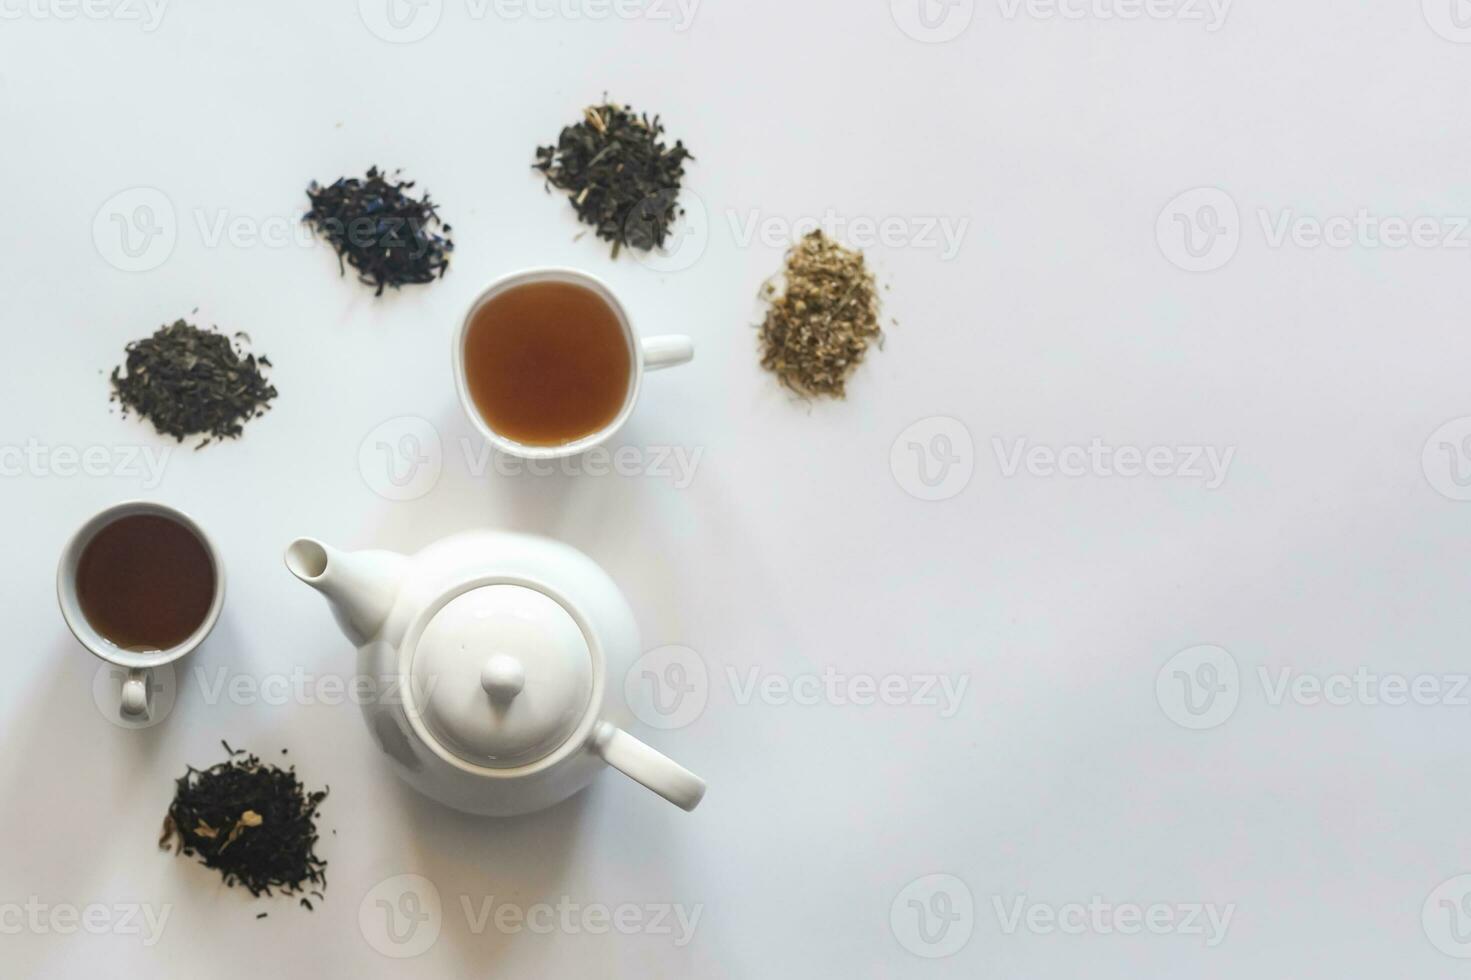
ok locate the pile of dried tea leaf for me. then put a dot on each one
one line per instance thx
(381, 230)
(188, 382)
(252, 822)
(620, 177)
(819, 327)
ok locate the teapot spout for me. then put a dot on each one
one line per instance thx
(360, 586)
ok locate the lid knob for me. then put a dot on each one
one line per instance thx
(503, 677)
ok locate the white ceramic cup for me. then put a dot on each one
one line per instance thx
(649, 354)
(137, 699)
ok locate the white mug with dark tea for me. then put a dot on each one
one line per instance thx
(140, 586)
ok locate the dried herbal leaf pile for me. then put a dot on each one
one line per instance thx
(381, 230)
(188, 381)
(820, 325)
(253, 822)
(619, 175)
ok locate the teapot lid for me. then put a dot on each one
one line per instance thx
(501, 675)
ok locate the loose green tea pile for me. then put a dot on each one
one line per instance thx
(188, 381)
(252, 822)
(620, 177)
(380, 230)
(817, 330)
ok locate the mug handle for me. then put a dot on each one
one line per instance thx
(137, 695)
(667, 351)
(645, 765)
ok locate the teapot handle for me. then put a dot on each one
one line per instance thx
(643, 764)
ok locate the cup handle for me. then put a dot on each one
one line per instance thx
(667, 351)
(137, 695)
(642, 764)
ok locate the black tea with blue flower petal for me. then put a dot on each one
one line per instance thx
(386, 234)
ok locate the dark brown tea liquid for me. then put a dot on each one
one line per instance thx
(547, 363)
(145, 582)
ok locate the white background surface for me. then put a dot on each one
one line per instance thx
(1063, 777)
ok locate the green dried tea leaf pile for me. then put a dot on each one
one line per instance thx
(819, 327)
(619, 175)
(381, 230)
(188, 382)
(253, 822)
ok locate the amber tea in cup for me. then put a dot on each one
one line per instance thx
(547, 362)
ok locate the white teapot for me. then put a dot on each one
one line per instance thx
(501, 648)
